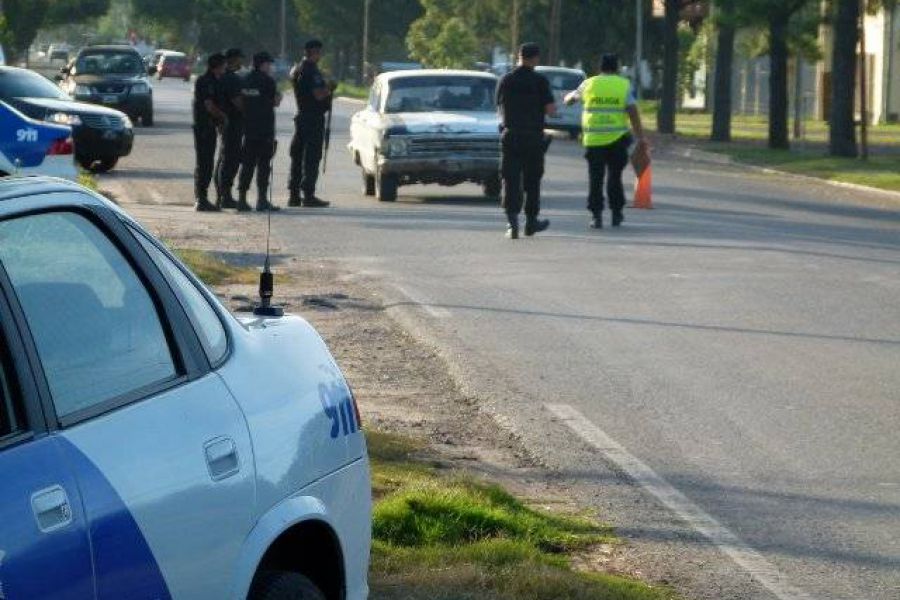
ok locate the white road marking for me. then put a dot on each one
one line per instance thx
(424, 304)
(727, 542)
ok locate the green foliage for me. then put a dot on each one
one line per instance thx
(440, 38)
(22, 19)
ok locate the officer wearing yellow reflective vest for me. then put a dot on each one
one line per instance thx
(609, 103)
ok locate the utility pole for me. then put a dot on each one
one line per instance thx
(638, 46)
(514, 31)
(283, 29)
(555, 27)
(365, 43)
(863, 100)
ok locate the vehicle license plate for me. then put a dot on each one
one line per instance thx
(110, 99)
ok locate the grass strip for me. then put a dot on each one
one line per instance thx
(349, 90)
(215, 271)
(882, 172)
(442, 536)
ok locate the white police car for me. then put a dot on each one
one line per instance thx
(30, 147)
(152, 446)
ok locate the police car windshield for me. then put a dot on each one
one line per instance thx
(109, 63)
(27, 84)
(428, 94)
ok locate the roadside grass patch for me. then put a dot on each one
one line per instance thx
(441, 535)
(350, 90)
(881, 171)
(214, 271)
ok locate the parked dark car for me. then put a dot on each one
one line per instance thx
(114, 76)
(102, 135)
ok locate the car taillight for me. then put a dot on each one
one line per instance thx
(61, 146)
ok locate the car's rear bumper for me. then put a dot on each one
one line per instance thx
(445, 170)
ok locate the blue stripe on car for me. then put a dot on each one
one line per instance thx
(124, 564)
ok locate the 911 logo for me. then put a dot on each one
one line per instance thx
(338, 407)
(26, 135)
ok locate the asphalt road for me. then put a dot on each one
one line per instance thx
(740, 343)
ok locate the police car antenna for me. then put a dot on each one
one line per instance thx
(267, 278)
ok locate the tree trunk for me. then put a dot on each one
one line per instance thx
(721, 125)
(667, 105)
(842, 136)
(778, 82)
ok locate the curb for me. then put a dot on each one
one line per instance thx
(724, 159)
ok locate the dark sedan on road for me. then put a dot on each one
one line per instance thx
(102, 135)
(114, 76)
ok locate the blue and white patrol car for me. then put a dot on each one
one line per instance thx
(30, 147)
(152, 445)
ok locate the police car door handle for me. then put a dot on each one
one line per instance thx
(51, 508)
(221, 458)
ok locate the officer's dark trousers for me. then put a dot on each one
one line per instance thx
(229, 157)
(256, 155)
(205, 149)
(306, 153)
(607, 163)
(522, 167)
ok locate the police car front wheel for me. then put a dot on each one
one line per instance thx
(283, 585)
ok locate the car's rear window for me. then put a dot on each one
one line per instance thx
(109, 62)
(448, 93)
(563, 82)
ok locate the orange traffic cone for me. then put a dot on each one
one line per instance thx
(642, 190)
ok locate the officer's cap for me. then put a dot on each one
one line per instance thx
(215, 60)
(529, 50)
(261, 58)
(234, 53)
(313, 44)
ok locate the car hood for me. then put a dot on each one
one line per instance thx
(68, 106)
(442, 122)
(95, 79)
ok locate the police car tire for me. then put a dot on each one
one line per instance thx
(284, 585)
(99, 165)
(147, 118)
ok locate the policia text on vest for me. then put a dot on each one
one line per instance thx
(608, 106)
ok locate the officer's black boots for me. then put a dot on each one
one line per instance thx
(242, 205)
(597, 221)
(294, 198)
(617, 218)
(203, 204)
(533, 226)
(313, 202)
(262, 202)
(226, 200)
(512, 232)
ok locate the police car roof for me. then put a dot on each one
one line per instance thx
(391, 75)
(13, 187)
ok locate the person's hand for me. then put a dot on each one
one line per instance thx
(332, 85)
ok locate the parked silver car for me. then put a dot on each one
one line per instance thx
(563, 81)
(428, 126)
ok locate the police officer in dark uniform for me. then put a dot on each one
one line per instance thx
(208, 116)
(524, 99)
(230, 152)
(313, 96)
(259, 98)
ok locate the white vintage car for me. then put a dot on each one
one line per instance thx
(428, 127)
